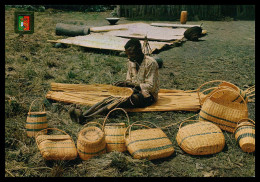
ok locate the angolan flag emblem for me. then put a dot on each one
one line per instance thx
(24, 22)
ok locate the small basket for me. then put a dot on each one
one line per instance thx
(151, 143)
(224, 95)
(36, 121)
(91, 141)
(56, 147)
(245, 134)
(114, 133)
(224, 113)
(200, 138)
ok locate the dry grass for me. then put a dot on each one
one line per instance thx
(31, 64)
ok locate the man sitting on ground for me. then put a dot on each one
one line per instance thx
(142, 76)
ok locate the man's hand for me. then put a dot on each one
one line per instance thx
(120, 84)
(127, 84)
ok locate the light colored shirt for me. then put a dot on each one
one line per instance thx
(147, 76)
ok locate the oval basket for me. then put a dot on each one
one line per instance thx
(200, 138)
(224, 94)
(245, 135)
(224, 113)
(36, 121)
(56, 147)
(114, 133)
(91, 141)
(149, 143)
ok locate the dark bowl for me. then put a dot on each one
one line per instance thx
(112, 21)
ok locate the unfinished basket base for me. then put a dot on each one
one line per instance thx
(248, 147)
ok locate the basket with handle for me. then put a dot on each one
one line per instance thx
(245, 134)
(224, 113)
(225, 95)
(36, 121)
(200, 138)
(91, 141)
(56, 147)
(149, 143)
(114, 133)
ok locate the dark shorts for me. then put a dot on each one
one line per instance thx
(137, 100)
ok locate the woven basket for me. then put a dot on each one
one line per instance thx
(151, 143)
(224, 113)
(245, 134)
(200, 138)
(36, 121)
(56, 147)
(225, 95)
(91, 141)
(114, 133)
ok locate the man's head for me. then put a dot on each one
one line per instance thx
(133, 50)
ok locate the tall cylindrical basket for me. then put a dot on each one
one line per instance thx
(245, 134)
(184, 16)
(36, 121)
(114, 133)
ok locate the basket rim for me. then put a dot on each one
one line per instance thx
(245, 108)
(82, 134)
(115, 124)
(36, 112)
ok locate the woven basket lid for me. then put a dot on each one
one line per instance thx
(91, 134)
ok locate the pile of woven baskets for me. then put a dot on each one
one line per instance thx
(224, 108)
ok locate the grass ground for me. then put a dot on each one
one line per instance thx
(31, 64)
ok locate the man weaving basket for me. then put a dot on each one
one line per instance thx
(142, 76)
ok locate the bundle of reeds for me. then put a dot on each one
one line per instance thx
(94, 89)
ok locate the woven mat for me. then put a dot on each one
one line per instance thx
(168, 100)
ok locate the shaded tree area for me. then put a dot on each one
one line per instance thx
(195, 12)
(159, 12)
(82, 8)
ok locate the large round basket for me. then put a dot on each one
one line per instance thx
(36, 121)
(114, 133)
(56, 147)
(224, 94)
(149, 143)
(200, 138)
(245, 135)
(91, 141)
(222, 112)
